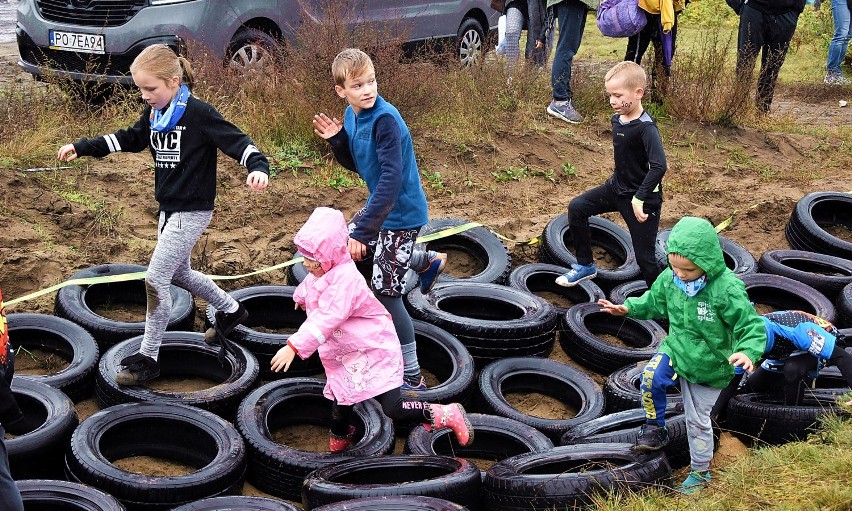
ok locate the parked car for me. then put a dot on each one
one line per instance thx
(97, 40)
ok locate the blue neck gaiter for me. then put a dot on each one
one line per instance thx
(692, 287)
(165, 120)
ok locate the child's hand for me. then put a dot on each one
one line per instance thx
(283, 359)
(357, 249)
(742, 360)
(611, 308)
(326, 128)
(640, 214)
(539, 44)
(257, 181)
(67, 153)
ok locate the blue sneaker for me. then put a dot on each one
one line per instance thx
(578, 274)
(697, 480)
(564, 110)
(428, 277)
(421, 385)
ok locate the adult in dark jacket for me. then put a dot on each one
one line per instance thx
(766, 27)
(11, 417)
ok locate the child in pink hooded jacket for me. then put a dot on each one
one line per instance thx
(354, 335)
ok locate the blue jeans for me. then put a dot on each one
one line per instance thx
(840, 41)
(571, 16)
(10, 496)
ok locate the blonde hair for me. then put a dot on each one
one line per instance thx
(161, 61)
(633, 74)
(349, 63)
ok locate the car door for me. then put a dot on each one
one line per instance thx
(413, 20)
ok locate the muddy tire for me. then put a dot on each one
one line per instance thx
(76, 302)
(806, 229)
(238, 503)
(445, 477)
(543, 376)
(270, 307)
(69, 341)
(568, 476)
(827, 274)
(607, 235)
(393, 503)
(737, 258)
(443, 355)
(185, 355)
(579, 338)
(784, 293)
(38, 454)
(492, 321)
(176, 432)
(540, 277)
(493, 261)
(621, 389)
(497, 438)
(51, 495)
(279, 469)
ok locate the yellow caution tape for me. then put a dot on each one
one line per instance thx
(727, 222)
(139, 275)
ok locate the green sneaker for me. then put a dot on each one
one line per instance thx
(697, 480)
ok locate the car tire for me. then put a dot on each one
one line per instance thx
(182, 433)
(621, 389)
(65, 338)
(445, 477)
(827, 274)
(183, 354)
(813, 213)
(49, 495)
(541, 277)
(443, 355)
(393, 503)
(544, 376)
(253, 49)
(479, 243)
(470, 42)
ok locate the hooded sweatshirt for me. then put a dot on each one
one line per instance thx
(706, 329)
(346, 324)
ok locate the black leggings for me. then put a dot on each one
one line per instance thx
(795, 375)
(392, 405)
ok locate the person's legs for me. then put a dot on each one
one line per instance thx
(433, 416)
(514, 25)
(595, 201)
(840, 42)
(571, 16)
(749, 42)
(10, 496)
(841, 359)
(637, 44)
(341, 430)
(698, 401)
(779, 31)
(657, 377)
(643, 235)
(796, 369)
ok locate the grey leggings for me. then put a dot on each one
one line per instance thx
(177, 233)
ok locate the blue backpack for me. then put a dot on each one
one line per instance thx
(620, 18)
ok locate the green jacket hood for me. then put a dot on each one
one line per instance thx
(696, 239)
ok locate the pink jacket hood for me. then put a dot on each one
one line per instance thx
(324, 238)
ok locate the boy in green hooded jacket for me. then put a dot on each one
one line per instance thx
(712, 327)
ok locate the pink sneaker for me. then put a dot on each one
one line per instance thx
(337, 443)
(454, 417)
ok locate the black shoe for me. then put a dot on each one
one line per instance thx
(225, 323)
(138, 369)
(652, 437)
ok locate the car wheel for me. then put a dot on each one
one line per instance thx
(254, 50)
(470, 42)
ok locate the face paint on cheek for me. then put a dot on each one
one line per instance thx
(626, 104)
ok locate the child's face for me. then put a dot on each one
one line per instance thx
(624, 100)
(684, 268)
(155, 91)
(360, 91)
(314, 267)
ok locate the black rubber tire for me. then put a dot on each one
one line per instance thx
(538, 278)
(393, 503)
(765, 419)
(608, 235)
(784, 293)
(497, 438)
(470, 42)
(278, 469)
(737, 257)
(270, 307)
(567, 476)
(582, 324)
(813, 213)
(183, 354)
(492, 321)
(827, 274)
(445, 477)
(252, 49)
(52, 495)
(37, 454)
(443, 355)
(544, 376)
(843, 305)
(64, 338)
(623, 427)
(75, 303)
(621, 389)
(634, 288)
(182, 433)
(479, 243)
(239, 503)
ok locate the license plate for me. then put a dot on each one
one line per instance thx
(73, 41)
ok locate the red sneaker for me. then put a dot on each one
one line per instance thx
(339, 443)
